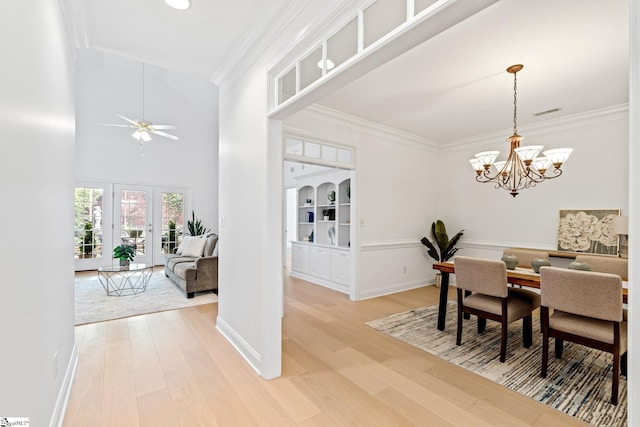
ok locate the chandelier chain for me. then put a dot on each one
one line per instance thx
(515, 103)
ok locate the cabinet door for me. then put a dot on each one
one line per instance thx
(340, 266)
(320, 262)
(300, 258)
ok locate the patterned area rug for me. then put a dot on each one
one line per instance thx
(579, 384)
(93, 304)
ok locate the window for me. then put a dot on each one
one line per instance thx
(172, 221)
(88, 222)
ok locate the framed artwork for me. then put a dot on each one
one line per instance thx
(588, 231)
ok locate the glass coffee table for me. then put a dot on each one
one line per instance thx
(121, 281)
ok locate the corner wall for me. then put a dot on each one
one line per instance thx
(36, 220)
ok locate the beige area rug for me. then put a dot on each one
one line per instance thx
(93, 304)
(579, 384)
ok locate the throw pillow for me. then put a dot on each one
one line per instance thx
(183, 244)
(195, 247)
(215, 250)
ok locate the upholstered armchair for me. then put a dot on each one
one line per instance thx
(483, 292)
(587, 310)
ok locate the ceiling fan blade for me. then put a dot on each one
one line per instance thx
(163, 126)
(126, 119)
(166, 135)
(118, 126)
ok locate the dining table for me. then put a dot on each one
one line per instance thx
(518, 276)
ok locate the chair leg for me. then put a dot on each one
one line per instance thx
(544, 316)
(503, 340)
(616, 379)
(527, 331)
(558, 348)
(482, 324)
(459, 330)
(623, 364)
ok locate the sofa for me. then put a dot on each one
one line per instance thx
(194, 265)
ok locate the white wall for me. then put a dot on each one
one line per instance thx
(396, 180)
(108, 84)
(36, 219)
(594, 177)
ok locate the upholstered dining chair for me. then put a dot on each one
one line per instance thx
(606, 264)
(483, 292)
(588, 311)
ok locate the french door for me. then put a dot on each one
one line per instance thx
(150, 219)
(133, 220)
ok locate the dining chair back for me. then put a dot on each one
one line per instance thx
(482, 291)
(587, 310)
(606, 264)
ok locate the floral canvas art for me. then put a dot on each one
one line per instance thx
(588, 231)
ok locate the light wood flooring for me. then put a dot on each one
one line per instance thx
(174, 369)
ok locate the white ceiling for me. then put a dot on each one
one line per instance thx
(454, 86)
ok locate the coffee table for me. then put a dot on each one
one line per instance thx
(120, 281)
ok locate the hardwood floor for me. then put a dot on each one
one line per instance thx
(174, 369)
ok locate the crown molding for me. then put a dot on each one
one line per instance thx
(274, 19)
(340, 119)
(602, 116)
(73, 17)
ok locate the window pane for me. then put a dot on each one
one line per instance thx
(345, 156)
(134, 219)
(287, 86)
(382, 17)
(294, 146)
(88, 223)
(343, 44)
(172, 221)
(309, 69)
(311, 149)
(329, 153)
(420, 5)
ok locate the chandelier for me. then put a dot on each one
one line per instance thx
(522, 169)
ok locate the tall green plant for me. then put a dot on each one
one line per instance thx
(195, 227)
(444, 248)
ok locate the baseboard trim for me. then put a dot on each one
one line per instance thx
(246, 351)
(322, 282)
(392, 289)
(60, 409)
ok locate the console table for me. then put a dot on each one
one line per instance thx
(519, 276)
(119, 281)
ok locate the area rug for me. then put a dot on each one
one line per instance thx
(579, 384)
(93, 304)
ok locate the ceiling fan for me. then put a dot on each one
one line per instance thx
(143, 128)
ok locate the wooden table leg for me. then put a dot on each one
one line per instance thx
(442, 306)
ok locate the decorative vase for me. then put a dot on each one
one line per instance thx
(536, 263)
(511, 261)
(124, 263)
(575, 265)
(438, 279)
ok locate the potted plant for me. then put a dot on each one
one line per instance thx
(444, 247)
(195, 226)
(325, 214)
(124, 253)
(331, 195)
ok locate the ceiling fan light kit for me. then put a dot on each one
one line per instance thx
(522, 169)
(144, 129)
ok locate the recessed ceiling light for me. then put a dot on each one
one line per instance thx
(179, 4)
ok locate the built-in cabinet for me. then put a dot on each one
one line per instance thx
(321, 252)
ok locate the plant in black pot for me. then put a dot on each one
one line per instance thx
(124, 253)
(444, 248)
